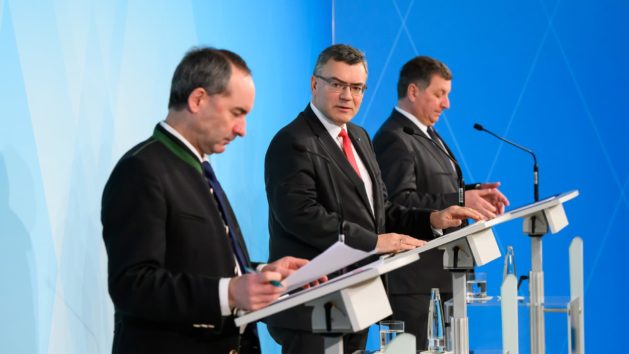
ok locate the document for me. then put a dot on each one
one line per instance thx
(337, 256)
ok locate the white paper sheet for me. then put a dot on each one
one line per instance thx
(336, 257)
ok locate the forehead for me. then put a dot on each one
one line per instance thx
(345, 72)
(240, 90)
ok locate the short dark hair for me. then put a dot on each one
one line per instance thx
(208, 68)
(420, 71)
(340, 52)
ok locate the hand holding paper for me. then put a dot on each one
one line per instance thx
(336, 257)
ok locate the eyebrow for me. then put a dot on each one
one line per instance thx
(345, 82)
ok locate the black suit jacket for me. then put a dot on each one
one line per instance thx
(303, 210)
(417, 174)
(167, 249)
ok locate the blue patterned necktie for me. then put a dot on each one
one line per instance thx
(221, 200)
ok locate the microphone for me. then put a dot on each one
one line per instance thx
(461, 191)
(303, 149)
(535, 167)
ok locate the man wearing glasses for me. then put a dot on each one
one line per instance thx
(321, 169)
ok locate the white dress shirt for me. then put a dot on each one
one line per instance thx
(334, 131)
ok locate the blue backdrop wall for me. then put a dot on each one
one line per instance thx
(81, 82)
(549, 75)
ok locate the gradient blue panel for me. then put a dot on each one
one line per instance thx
(81, 83)
(547, 74)
(26, 248)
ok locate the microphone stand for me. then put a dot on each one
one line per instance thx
(535, 167)
(536, 226)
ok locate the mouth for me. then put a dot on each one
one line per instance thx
(344, 109)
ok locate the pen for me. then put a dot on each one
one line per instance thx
(275, 283)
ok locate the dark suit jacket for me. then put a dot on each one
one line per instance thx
(303, 212)
(167, 249)
(417, 174)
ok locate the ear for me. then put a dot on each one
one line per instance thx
(313, 83)
(195, 99)
(411, 92)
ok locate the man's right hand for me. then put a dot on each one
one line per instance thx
(253, 291)
(487, 200)
(393, 243)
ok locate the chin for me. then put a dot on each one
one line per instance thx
(219, 149)
(344, 119)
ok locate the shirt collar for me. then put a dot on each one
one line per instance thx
(177, 135)
(332, 128)
(413, 119)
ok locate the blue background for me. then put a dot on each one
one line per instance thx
(83, 81)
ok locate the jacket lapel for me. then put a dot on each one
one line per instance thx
(437, 154)
(327, 144)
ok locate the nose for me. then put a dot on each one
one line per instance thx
(240, 128)
(445, 103)
(346, 93)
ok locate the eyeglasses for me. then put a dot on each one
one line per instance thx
(340, 86)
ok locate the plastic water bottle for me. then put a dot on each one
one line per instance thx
(436, 336)
(509, 266)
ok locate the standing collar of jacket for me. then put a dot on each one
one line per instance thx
(178, 145)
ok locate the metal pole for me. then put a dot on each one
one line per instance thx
(460, 331)
(536, 291)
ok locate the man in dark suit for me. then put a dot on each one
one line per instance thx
(309, 161)
(418, 171)
(177, 259)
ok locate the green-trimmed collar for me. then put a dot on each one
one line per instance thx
(177, 148)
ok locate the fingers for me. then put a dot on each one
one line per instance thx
(411, 242)
(502, 198)
(254, 291)
(499, 199)
(487, 209)
(285, 265)
(453, 216)
(464, 213)
(484, 201)
(489, 185)
(392, 242)
(293, 262)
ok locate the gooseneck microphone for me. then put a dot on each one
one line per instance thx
(535, 167)
(303, 149)
(410, 131)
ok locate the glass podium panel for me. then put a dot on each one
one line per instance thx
(485, 325)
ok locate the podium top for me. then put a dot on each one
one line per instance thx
(533, 208)
(387, 264)
(359, 275)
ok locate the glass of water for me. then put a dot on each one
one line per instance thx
(476, 286)
(388, 331)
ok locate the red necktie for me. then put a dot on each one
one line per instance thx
(347, 150)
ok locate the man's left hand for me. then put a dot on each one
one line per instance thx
(287, 265)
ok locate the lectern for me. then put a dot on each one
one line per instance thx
(356, 300)
(539, 218)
